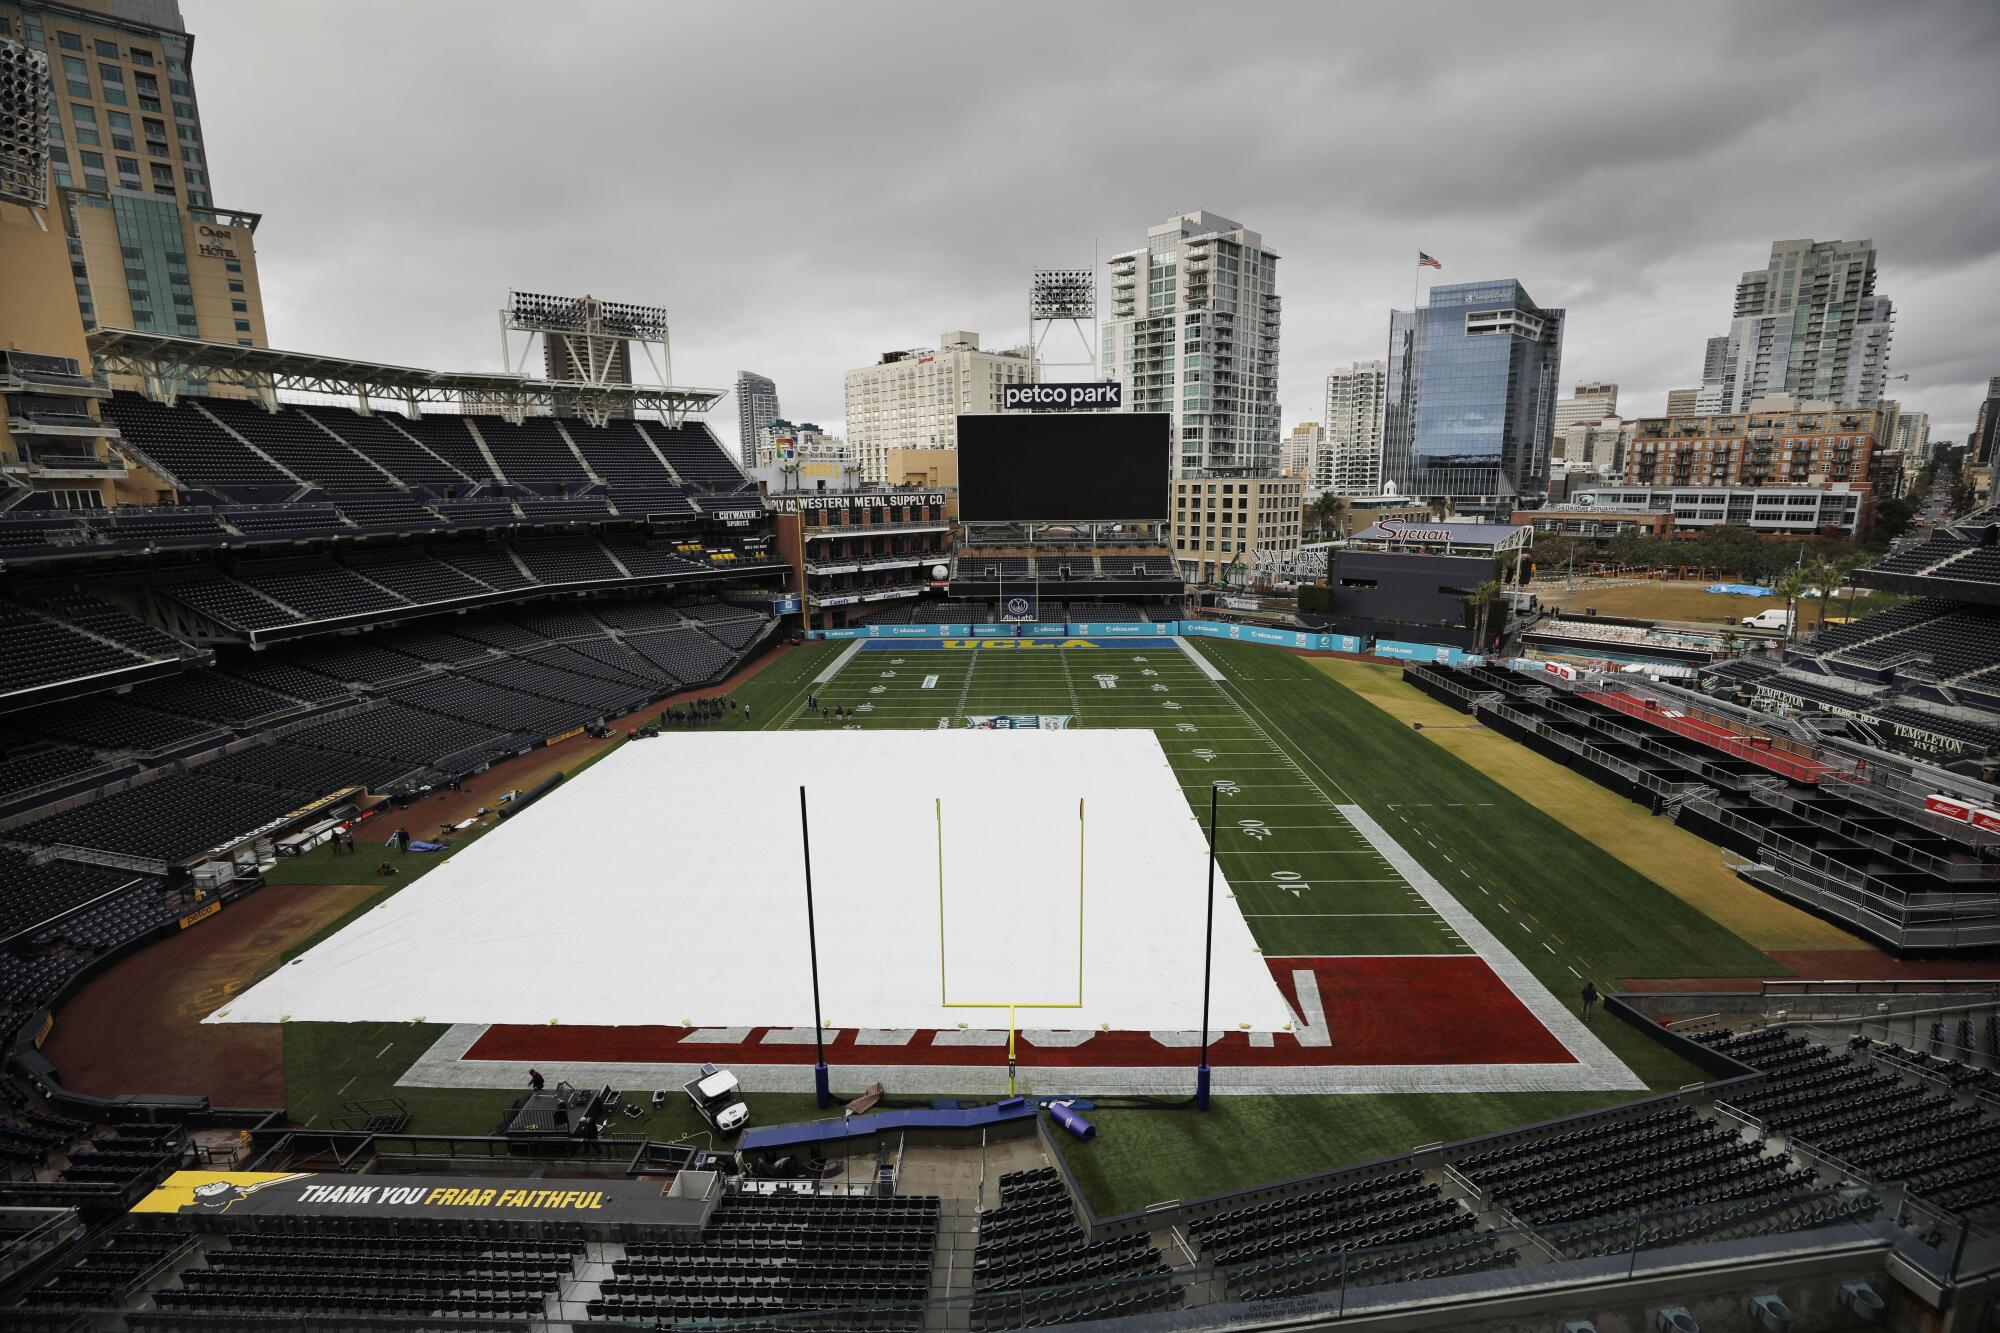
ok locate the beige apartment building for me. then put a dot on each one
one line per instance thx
(130, 237)
(1220, 521)
(912, 400)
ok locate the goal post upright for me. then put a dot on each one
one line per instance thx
(1011, 1006)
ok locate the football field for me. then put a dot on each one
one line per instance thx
(1304, 878)
(1427, 926)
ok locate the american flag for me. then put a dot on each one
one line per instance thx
(1425, 261)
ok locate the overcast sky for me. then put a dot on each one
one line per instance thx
(807, 185)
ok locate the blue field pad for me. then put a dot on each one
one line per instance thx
(1011, 645)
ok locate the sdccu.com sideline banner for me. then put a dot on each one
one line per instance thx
(231, 1195)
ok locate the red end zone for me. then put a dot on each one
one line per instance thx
(1445, 1009)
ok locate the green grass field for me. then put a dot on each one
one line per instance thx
(1285, 744)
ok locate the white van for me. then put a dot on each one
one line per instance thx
(1771, 619)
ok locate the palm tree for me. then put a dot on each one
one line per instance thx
(1479, 602)
(1792, 587)
(1327, 511)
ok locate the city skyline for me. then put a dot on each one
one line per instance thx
(1615, 218)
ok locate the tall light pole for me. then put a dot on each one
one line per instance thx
(820, 1092)
(1201, 1073)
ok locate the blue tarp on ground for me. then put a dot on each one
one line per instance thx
(778, 1137)
(1740, 589)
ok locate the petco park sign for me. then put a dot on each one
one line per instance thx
(1062, 397)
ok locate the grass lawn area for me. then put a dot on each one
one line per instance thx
(1691, 601)
(1141, 1157)
(1603, 918)
(1688, 866)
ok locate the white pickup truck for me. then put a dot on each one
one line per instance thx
(719, 1097)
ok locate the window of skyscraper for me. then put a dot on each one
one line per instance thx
(69, 41)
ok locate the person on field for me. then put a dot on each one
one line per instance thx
(535, 1079)
(1589, 999)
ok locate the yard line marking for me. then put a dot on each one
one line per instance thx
(385, 1050)
(1545, 945)
(1329, 915)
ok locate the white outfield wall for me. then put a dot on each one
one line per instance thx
(665, 885)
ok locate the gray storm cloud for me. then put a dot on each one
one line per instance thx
(805, 186)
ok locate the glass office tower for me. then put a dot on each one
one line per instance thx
(1473, 381)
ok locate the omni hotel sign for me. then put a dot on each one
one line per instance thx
(216, 242)
(1062, 397)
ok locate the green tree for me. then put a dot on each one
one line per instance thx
(1792, 587)
(1479, 607)
(1328, 513)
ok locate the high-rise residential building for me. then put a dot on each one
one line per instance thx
(1913, 438)
(1469, 407)
(912, 400)
(1194, 331)
(1302, 448)
(1351, 463)
(756, 408)
(1781, 443)
(1983, 445)
(1715, 358)
(1683, 402)
(1808, 324)
(148, 247)
(1587, 402)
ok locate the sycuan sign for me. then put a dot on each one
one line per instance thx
(1062, 397)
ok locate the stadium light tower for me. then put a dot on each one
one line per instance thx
(1063, 296)
(24, 124)
(586, 345)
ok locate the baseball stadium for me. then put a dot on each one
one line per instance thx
(508, 869)
(477, 853)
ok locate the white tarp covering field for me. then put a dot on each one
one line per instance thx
(665, 885)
